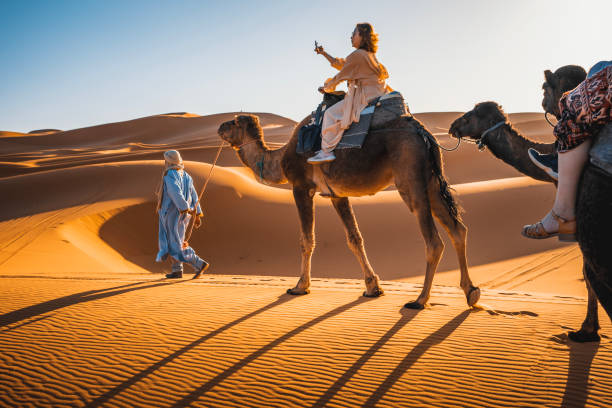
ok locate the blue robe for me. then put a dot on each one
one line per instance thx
(178, 194)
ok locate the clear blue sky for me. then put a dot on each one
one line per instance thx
(69, 64)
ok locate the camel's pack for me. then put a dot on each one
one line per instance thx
(378, 112)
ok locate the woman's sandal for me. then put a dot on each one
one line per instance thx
(566, 232)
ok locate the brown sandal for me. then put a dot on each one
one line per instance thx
(567, 228)
(566, 232)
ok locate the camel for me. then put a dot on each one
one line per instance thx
(400, 153)
(507, 144)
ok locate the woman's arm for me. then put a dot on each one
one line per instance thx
(337, 63)
(349, 69)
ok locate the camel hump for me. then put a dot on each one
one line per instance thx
(386, 108)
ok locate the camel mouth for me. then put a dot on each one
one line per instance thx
(454, 131)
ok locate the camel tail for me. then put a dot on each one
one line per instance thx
(446, 192)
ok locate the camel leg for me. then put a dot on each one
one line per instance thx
(355, 243)
(590, 326)
(305, 205)
(419, 202)
(457, 232)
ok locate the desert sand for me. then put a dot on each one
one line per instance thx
(87, 320)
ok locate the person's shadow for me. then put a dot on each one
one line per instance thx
(102, 399)
(76, 298)
(580, 359)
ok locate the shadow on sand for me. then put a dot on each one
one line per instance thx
(197, 393)
(581, 357)
(70, 300)
(407, 316)
(152, 368)
(417, 352)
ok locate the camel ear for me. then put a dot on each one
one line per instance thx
(551, 79)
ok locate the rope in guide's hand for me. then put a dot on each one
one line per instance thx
(195, 208)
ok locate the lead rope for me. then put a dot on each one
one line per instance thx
(548, 120)
(192, 221)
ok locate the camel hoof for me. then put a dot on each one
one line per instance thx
(414, 305)
(377, 293)
(298, 292)
(473, 296)
(583, 336)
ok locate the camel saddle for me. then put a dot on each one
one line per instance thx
(379, 111)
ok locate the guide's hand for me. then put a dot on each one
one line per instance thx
(198, 221)
(185, 244)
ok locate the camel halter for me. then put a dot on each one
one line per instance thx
(481, 143)
(259, 164)
(238, 148)
(548, 120)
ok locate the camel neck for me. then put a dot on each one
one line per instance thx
(265, 163)
(507, 144)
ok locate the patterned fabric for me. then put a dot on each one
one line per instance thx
(584, 110)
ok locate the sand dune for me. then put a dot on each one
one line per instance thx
(117, 198)
(86, 320)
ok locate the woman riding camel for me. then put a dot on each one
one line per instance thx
(583, 112)
(365, 78)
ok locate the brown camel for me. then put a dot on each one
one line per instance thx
(506, 143)
(400, 153)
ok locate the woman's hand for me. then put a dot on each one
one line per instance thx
(321, 89)
(319, 48)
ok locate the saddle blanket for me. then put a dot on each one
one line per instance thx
(382, 109)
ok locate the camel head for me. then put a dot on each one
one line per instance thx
(475, 122)
(242, 130)
(556, 83)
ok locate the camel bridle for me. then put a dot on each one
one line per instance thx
(482, 141)
(238, 149)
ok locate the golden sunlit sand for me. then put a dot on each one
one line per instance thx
(87, 320)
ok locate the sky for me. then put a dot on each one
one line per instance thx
(71, 64)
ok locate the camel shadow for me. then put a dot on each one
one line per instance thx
(417, 352)
(142, 374)
(70, 300)
(407, 316)
(197, 393)
(581, 357)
